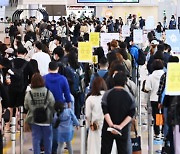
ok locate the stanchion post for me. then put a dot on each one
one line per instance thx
(83, 134)
(21, 130)
(139, 101)
(13, 134)
(150, 131)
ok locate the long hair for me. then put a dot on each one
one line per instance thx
(98, 85)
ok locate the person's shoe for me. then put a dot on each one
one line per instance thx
(157, 137)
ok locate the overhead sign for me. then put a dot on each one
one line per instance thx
(94, 39)
(125, 30)
(173, 39)
(106, 38)
(137, 36)
(85, 52)
(173, 79)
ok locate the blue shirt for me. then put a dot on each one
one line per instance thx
(59, 87)
(101, 73)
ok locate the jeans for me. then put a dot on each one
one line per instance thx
(69, 146)
(166, 127)
(55, 142)
(41, 132)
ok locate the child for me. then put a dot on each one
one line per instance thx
(65, 119)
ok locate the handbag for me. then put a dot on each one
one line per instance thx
(136, 142)
(159, 119)
(143, 87)
(94, 126)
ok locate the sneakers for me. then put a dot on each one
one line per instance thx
(157, 137)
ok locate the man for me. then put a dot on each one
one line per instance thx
(134, 52)
(102, 72)
(59, 87)
(18, 81)
(42, 58)
(118, 109)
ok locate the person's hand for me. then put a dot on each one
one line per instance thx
(160, 106)
(77, 127)
(117, 127)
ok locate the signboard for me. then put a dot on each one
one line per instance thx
(173, 39)
(125, 30)
(106, 38)
(85, 52)
(138, 36)
(94, 39)
(173, 79)
(150, 23)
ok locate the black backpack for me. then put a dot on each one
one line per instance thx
(141, 57)
(40, 113)
(17, 78)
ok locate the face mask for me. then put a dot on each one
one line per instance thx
(15, 47)
(52, 28)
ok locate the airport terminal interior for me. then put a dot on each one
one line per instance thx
(89, 76)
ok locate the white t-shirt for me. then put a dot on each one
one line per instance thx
(43, 60)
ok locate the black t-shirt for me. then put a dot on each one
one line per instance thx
(118, 104)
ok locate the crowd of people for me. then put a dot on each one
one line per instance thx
(40, 71)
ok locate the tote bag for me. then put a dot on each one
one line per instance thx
(136, 142)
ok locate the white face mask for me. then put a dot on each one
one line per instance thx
(15, 47)
(54, 57)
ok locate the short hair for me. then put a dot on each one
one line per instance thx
(157, 64)
(120, 79)
(59, 51)
(68, 46)
(53, 65)
(103, 61)
(58, 38)
(160, 47)
(38, 45)
(114, 44)
(122, 45)
(22, 50)
(98, 85)
(37, 81)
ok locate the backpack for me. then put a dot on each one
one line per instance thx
(104, 77)
(40, 113)
(141, 57)
(17, 78)
(74, 80)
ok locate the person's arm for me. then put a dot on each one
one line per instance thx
(124, 123)
(108, 120)
(88, 111)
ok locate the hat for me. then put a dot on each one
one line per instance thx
(5, 62)
(9, 50)
(154, 42)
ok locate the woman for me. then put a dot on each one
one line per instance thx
(40, 97)
(152, 85)
(94, 115)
